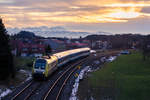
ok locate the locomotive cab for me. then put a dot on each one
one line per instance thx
(39, 68)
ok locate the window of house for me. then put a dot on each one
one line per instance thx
(25, 49)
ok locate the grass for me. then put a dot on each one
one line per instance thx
(128, 74)
(23, 62)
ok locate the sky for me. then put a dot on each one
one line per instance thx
(116, 16)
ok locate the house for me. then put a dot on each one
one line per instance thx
(76, 45)
(27, 48)
(35, 50)
(55, 44)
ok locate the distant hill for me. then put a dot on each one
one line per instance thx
(25, 34)
(121, 37)
(98, 37)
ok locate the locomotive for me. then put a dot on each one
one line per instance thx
(46, 65)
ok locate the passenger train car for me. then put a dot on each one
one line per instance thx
(45, 66)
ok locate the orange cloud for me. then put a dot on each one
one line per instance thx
(74, 11)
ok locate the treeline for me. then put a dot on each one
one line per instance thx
(119, 41)
(125, 41)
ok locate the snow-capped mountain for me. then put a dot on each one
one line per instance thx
(57, 31)
(44, 28)
(103, 33)
(13, 31)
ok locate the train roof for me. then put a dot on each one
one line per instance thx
(54, 57)
(68, 52)
(49, 59)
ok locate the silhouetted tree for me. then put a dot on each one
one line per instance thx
(6, 58)
(48, 50)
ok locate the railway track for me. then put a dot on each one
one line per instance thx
(27, 91)
(28, 85)
(55, 90)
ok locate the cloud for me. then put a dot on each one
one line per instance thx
(6, 1)
(146, 10)
(23, 13)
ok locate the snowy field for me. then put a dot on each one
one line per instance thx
(4, 92)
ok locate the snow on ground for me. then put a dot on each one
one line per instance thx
(111, 58)
(103, 59)
(92, 70)
(92, 51)
(97, 62)
(26, 72)
(91, 98)
(95, 55)
(29, 78)
(22, 71)
(76, 84)
(4, 93)
(83, 71)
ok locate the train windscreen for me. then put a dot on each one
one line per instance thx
(40, 64)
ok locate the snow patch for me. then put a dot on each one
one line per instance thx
(96, 62)
(111, 58)
(92, 70)
(26, 72)
(103, 59)
(95, 55)
(4, 93)
(76, 84)
(92, 51)
(29, 78)
(22, 71)
(91, 98)
(0, 91)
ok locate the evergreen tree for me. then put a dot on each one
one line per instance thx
(48, 50)
(6, 58)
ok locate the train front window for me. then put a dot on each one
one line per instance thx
(40, 63)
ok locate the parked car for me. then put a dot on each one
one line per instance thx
(124, 52)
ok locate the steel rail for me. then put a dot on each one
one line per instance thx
(54, 84)
(57, 97)
(28, 85)
(29, 95)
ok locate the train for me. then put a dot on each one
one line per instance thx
(43, 67)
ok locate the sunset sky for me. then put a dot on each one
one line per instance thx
(117, 16)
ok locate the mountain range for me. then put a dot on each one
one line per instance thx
(57, 31)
